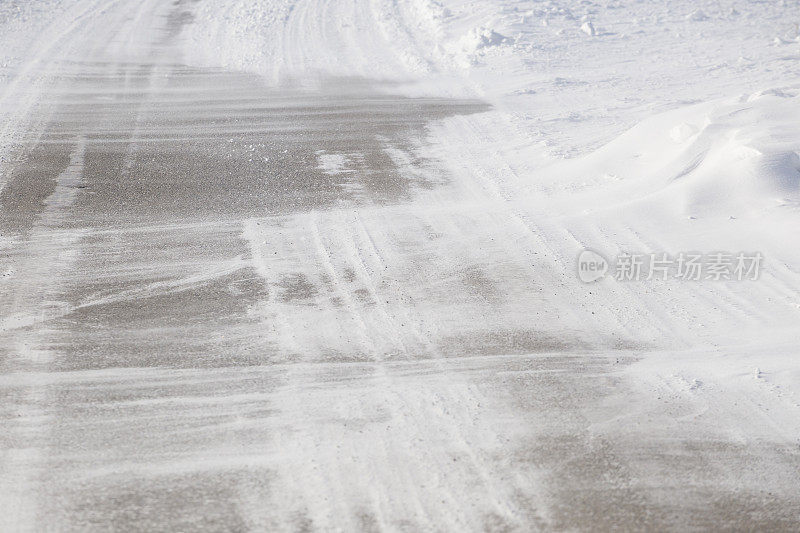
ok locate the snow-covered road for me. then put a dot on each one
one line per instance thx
(311, 265)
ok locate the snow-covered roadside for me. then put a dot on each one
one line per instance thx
(712, 166)
(722, 176)
(30, 31)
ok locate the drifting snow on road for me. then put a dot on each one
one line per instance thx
(419, 265)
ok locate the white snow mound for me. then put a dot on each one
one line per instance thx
(736, 157)
(480, 38)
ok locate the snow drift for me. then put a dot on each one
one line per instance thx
(736, 157)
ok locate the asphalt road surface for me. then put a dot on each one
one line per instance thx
(211, 319)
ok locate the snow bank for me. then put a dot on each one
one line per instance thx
(733, 158)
